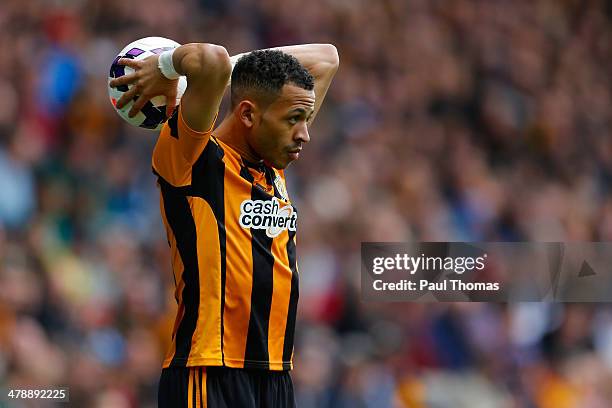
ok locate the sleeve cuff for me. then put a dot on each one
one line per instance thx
(184, 127)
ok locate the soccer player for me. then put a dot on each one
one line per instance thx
(229, 220)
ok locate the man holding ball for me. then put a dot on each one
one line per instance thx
(229, 221)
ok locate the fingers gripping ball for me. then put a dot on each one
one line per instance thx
(153, 115)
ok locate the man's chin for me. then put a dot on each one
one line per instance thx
(280, 166)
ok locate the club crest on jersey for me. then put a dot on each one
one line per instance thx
(267, 215)
(280, 187)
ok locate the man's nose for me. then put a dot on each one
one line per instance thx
(302, 133)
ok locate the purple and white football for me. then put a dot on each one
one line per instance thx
(153, 114)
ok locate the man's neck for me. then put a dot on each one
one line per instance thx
(233, 134)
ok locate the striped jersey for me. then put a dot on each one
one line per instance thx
(231, 229)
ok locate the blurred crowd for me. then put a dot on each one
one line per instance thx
(448, 120)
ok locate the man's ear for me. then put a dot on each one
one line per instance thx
(246, 112)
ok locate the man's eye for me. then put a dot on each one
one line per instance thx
(294, 120)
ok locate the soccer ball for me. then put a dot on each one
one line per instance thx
(153, 115)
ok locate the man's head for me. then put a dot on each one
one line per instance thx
(272, 95)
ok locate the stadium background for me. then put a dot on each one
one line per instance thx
(448, 120)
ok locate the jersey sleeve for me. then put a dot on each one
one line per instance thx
(177, 148)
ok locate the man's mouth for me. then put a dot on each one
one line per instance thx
(294, 154)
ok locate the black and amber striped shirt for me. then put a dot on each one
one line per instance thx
(231, 231)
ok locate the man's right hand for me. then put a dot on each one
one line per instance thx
(147, 82)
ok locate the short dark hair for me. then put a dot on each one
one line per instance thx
(262, 74)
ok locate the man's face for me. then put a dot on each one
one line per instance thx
(281, 130)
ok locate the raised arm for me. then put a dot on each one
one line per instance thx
(322, 62)
(207, 68)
